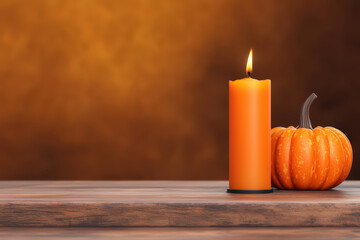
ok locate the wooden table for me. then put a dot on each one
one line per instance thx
(258, 233)
(175, 204)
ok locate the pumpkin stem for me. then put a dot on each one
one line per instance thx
(304, 114)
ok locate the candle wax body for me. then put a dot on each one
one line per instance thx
(249, 134)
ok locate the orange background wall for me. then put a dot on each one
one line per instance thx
(139, 89)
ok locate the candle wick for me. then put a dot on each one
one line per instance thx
(249, 74)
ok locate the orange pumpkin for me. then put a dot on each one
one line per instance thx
(304, 158)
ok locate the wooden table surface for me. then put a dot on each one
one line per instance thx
(257, 233)
(171, 204)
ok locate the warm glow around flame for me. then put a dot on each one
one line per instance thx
(249, 64)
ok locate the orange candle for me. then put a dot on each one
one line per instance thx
(249, 134)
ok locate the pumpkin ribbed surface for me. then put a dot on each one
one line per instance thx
(306, 159)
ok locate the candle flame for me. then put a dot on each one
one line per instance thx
(249, 64)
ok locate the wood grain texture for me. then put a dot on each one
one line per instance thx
(180, 233)
(170, 203)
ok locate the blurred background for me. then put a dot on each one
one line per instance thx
(117, 89)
